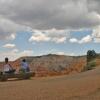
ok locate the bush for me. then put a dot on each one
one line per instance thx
(90, 65)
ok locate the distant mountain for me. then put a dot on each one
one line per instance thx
(52, 64)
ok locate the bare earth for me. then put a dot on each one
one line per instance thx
(82, 86)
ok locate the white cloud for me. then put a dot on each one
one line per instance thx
(38, 36)
(73, 40)
(96, 34)
(53, 35)
(9, 46)
(60, 53)
(85, 39)
(94, 37)
(11, 36)
(64, 53)
(59, 40)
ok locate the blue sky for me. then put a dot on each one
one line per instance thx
(36, 48)
(68, 48)
(68, 27)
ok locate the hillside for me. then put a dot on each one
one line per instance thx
(53, 64)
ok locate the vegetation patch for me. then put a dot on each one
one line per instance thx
(91, 65)
(91, 60)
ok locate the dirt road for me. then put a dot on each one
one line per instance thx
(82, 86)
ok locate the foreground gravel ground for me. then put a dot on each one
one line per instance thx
(82, 86)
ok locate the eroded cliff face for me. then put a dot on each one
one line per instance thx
(57, 65)
(53, 64)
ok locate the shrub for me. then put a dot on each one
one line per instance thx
(90, 65)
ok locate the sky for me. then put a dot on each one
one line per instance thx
(40, 27)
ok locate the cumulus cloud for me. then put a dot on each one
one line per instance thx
(9, 46)
(60, 53)
(86, 39)
(38, 36)
(53, 35)
(96, 34)
(64, 53)
(73, 40)
(12, 36)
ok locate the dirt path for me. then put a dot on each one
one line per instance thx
(82, 86)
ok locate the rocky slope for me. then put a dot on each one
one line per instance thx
(52, 64)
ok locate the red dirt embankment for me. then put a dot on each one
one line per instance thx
(51, 65)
